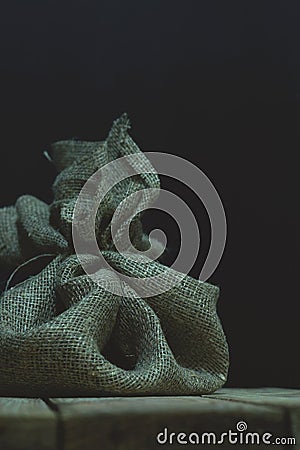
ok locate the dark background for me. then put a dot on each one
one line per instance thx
(212, 81)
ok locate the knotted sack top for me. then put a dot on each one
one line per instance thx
(62, 333)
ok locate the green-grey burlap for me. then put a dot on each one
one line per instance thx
(61, 334)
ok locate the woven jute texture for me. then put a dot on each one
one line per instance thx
(62, 334)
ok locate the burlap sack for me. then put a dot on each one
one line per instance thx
(61, 334)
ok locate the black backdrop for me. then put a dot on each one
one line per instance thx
(212, 81)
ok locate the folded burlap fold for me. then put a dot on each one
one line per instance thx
(62, 334)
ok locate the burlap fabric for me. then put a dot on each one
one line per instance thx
(61, 334)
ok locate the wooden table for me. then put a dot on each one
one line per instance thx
(135, 422)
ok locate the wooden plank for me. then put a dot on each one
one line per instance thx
(134, 423)
(27, 424)
(288, 399)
